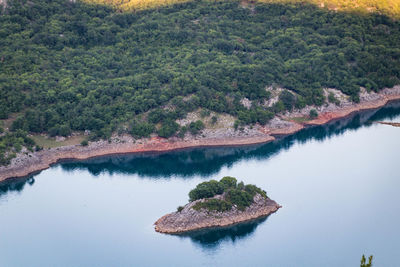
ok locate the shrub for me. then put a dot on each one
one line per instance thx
(214, 120)
(206, 190)
(213, 205)
(141, 129)
(228, 182)
(168, 129)
(241, 199)
(84, 143)
(179, 209)
(253, 190)
(313, 114)
(333, 99)
(196, 127)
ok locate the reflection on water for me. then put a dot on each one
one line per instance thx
(208, 161)
(212, 238)
(15, 185)
(340, 206)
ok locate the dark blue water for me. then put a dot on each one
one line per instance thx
(338, 186)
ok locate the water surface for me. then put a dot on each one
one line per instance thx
(338, 185)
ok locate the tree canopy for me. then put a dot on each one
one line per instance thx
(71, 66)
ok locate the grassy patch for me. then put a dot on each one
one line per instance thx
(300, 119)
(47, 142)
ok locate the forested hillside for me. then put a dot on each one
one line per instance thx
(388, 7)
(71, 66)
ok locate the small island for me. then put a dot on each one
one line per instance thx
(218, 204)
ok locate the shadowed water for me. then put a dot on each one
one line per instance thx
(337, 184)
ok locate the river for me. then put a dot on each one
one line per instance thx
(338, 185)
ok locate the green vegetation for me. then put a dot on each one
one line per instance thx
(11, 143)
(213, 205)
(313, 114)
(68, 66)
(333, 99)
(389, 7)
(233, 193)
(364, 261)
(84, 143)
(50, 142)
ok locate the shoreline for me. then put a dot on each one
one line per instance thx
(190, 220)
(33, 163)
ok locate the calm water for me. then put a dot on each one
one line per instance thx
(338, 185)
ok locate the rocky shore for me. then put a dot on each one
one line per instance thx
(27, 163)
(189, 219)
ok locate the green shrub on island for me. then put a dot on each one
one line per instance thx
(206, 190)
(234, 194)
(213, 204)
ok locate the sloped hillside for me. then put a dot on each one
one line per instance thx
(75, 67)
(388, 7)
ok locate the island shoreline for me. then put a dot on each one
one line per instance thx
(214, 227)
(42, 160)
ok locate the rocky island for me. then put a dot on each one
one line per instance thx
(218, 204)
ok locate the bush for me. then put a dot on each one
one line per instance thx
(313, 114)
(214, 120)
(84, 143)
(235, 194)
(141, 129)
(241, 199)
(213, 205)
(64, 130)
(228, 182)
(206, 190)
(168, 129)
(333, 99)
(196, 127)
(179, 209)
(253, 190)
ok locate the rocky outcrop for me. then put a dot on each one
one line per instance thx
(190, 219)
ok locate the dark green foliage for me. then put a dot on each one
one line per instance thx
(235, 193)
(364, 261)
(313, 114)
(288, 99)
(179, 209)
(228, 182)
(168, 128)
(196, 127)
(240, 198)
(333, 99)
(206, 190)
(10, 143)
(213, 205)
(70, 66)
(214, 120)
(141, 129)
(253, 190)
(84, 143)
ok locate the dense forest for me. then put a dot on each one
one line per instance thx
(72, 66)
(388, 7)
